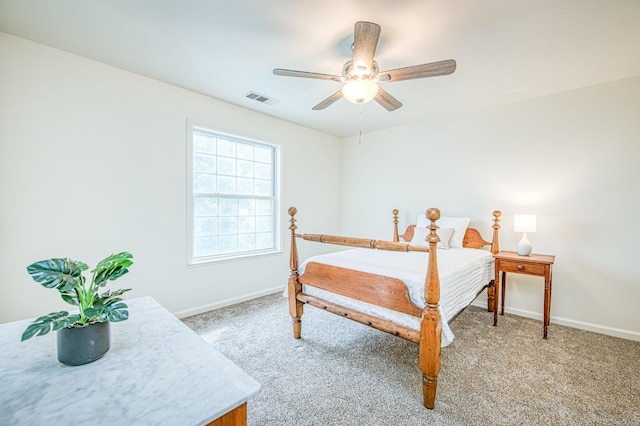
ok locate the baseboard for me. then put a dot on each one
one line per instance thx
(228, 302)
(581, 325)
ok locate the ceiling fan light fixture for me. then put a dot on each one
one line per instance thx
(360, 91)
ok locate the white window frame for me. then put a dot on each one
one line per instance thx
(191, 259)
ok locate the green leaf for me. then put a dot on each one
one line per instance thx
(43, 325)
(109, 307)
(112, 268)
(110, 297)
(70, 320)
(118, 312)
(112, 311)
(71, 297)
(62, 274)
(98, 314)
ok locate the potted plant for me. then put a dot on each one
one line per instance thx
(84, 336)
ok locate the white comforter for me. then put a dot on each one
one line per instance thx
(463, 273)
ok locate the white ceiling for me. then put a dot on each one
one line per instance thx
(506, 50)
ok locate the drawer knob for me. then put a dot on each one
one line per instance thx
(520, 267)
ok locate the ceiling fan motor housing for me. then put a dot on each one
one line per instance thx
(352, 72)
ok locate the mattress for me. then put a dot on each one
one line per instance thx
(463, 274)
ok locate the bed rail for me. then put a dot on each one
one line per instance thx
(361, 242)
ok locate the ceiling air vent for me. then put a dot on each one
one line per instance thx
(261, 98)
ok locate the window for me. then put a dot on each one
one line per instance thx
(234, 197)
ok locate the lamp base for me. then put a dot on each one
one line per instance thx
(524, 246)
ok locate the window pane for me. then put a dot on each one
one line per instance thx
(263, 154)
(246, 242)
(246, 224)
(226, 185)
(204, 163)
(263, 207)
(245, 168)
(226, 148)
(245, 186)
(204, 183)
(245, 151)
(205, 226)
(226, 166)
(204, 143)
(228, 207)
(263, 187)
(205, 206)
(264, 240)
(227, 225)
(263, 171)
(228, 244)
(246, 207)
(264, 223)
(205, 246)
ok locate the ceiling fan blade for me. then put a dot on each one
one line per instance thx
(331, 99)
(365, 41)
(432, 69)
(386, 100)
(305, 74)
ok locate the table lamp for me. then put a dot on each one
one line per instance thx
(524, 223)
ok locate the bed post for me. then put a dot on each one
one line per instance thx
(431, 325)
(495, 248)
(395, 226)
(495, 242)
(294, 287)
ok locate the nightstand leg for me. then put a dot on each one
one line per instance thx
(547, 301)
(504, 282)
(496, 295)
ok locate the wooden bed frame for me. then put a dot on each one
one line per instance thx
(384, 291)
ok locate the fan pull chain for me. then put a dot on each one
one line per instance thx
(360, 132)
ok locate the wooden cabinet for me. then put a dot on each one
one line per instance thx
(235, 417)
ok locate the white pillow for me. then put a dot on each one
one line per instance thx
(459, 224)
(420, 236)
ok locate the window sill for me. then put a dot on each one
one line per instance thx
(231, 258)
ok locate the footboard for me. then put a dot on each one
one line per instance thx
(386, 292)
(390, 293)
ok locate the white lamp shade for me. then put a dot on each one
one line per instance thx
(524, 223)
(360, 91)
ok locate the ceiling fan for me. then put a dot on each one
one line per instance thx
(361, 75)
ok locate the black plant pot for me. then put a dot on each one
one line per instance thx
(82, 345)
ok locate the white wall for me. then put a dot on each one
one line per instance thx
(93, 160)
(570, 158)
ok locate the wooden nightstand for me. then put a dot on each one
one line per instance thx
(534, 264)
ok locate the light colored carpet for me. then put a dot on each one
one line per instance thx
(344, 373)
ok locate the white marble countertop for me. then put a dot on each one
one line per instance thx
(157, 372)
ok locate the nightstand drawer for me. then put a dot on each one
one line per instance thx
(521, 267)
